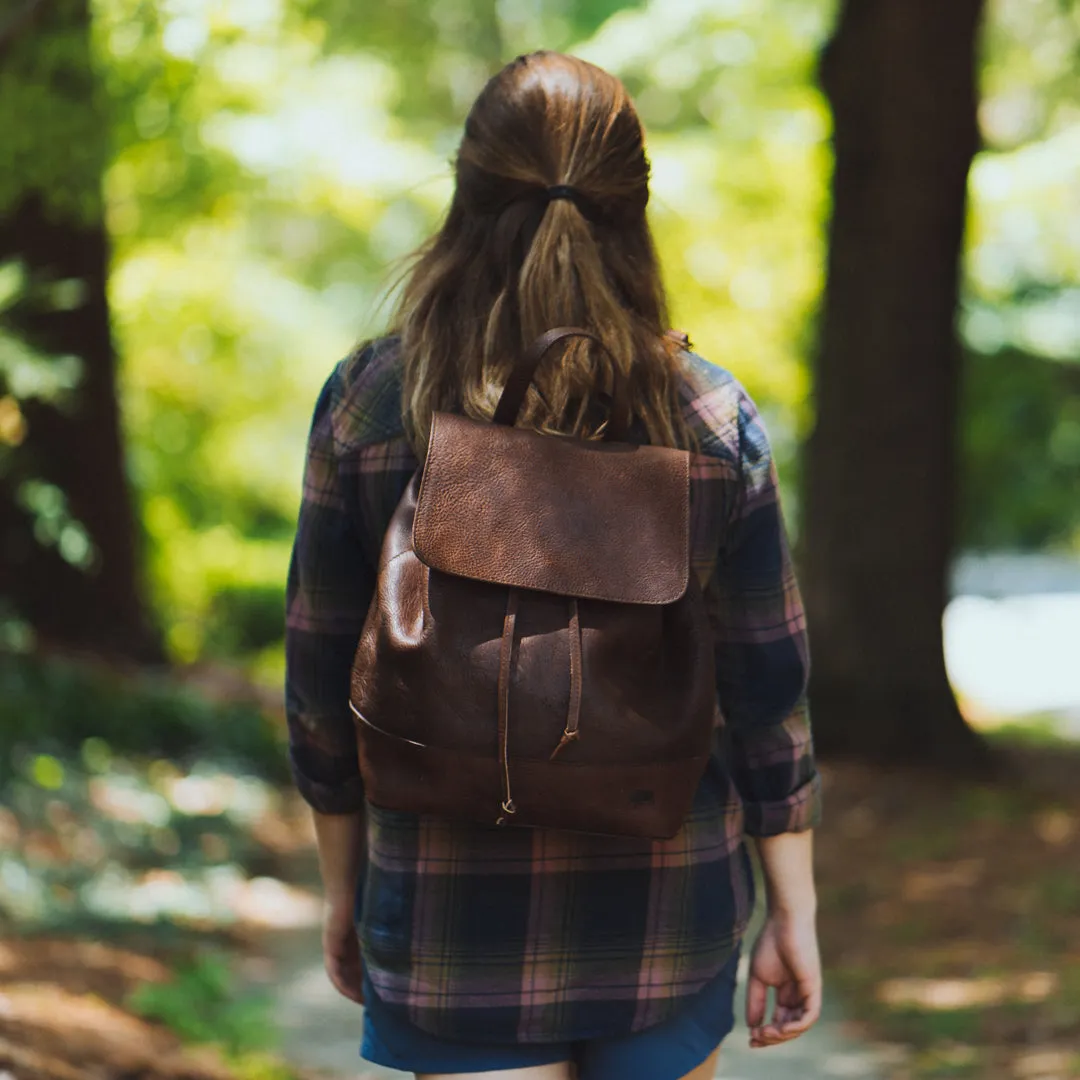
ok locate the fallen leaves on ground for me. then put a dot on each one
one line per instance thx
(950, 915)
(62, 1016)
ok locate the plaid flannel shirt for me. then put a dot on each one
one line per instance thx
(503, 935)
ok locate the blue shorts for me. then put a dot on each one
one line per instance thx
(664, 1052)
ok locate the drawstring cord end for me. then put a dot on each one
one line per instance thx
(568, 737)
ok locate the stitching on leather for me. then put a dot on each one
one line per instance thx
(417, 517)
(381, 731)
(425, 592)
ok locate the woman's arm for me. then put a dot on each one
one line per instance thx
(329, 588)
(787, 861)
(762, 649)
(762, 668)
(785, 955)
(340, 839)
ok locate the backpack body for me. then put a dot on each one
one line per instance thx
(537, 652)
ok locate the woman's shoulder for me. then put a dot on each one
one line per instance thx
(366, 395)
(716, 406)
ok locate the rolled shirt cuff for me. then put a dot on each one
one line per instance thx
(341, 797)
(800, 811)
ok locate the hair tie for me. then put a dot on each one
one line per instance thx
(563, 191)
(586, 207)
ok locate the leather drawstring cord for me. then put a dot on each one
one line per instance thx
(506, 650)
(573, 717)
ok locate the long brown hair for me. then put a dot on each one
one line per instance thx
(510, 262)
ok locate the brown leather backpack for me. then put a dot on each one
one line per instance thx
(537, 651)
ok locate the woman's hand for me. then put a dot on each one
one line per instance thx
(340, 839)
(341, 952)
(785, 957)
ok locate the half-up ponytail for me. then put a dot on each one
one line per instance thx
(547, 228)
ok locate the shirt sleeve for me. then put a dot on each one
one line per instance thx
(762, 654)
(329, 588)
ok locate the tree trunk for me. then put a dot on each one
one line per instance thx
(882, 460)
(72, 599)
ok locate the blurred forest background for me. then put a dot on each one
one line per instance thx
(866, 209)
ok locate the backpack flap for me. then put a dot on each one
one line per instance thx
(594, 520)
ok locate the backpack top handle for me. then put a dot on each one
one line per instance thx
(513, 395)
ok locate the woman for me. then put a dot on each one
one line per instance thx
(534, 953)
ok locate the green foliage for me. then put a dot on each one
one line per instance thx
(54, 143)
(930, 844)
(1021, 403)
(1060, 892)
(200, 1005)
(1033, 730)
(54, 525)
(922, 1027)
(999, 805)
(245, 619)
(51, 706)
(1029, 87)
(26, 373)
(16, 634)
(1022, 449)
(256, 1065)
